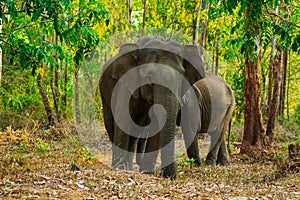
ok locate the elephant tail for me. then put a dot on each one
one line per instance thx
(229, 113)
(228, 139)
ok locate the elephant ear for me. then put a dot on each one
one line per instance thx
(123, 62)
(193, 64)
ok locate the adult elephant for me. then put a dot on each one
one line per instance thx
(113, 70)
(216, 102)
(143, 99)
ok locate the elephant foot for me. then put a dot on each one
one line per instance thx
(146, 172)
(197, 162)
(223, 162)
(139, 159)
(210, 162)
(147, 168)
(169, 171)
(122, 165)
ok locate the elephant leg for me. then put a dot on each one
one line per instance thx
(132, 146)
(191, 142)
(108, 121)
(223, 157)
(223, 154)
(193, 152)
(140, 150)
(150, 154)
(213, 153)
(120, 147)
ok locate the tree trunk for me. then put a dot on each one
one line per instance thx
(196, 27)
(254, 132)
(283, 85)
(274, 104)
(54, 86)
(45, 100)
(0, 53)
(64, 90)
(204, 27)
(271, 72)
(217, 58)
(76, 96)
(130, 12)
(144, 17)
(287, 93)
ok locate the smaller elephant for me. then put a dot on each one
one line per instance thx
(216, 102)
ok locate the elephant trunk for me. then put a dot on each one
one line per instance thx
(166, 99)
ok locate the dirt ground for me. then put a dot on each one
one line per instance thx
(50, 165)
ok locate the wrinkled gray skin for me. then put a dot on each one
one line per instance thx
(216, 102)
(149, 50)
(113, 70)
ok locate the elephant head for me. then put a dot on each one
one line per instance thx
(183, 59)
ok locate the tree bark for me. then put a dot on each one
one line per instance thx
(130, 12)
(217, 58)
(271, 72)
(287, 93)
(64, 90)
(283, 85)
(254, 137)
(54, 86)
(274, 104)
(76, 96)
(45, 100)
(196, 27)
(144, 17)
(204, 27)
(0, 53)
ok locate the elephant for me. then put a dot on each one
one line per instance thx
(147, 66)
(216, 102)
(112, 71)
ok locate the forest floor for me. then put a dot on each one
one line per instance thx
(54, 164)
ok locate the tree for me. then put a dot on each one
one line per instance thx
(31, 44)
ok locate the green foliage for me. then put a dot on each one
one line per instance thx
(42, 146)
(296, 115)
(186, 162)
(46, 36)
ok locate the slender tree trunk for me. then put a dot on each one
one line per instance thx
(213, 60)
(76, 96)
(283, 85)
(144, 17)
(271, 72)
(271, 69)
(287, 93)
(54, 86)
(0, 53)
(196, 27)
(254, 132)
(65, 91)
(217, 58)
(55, 94)
(55, 102)
(129, 12)
(45, 100)
(264, 104)
(64, 87)
(273, 107)
(204, 27)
